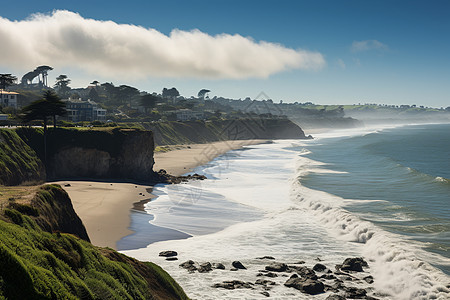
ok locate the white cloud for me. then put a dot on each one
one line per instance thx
(340, 62)
(359, 46)
(67, 40)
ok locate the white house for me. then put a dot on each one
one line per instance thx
(187, 115)
(8, 99)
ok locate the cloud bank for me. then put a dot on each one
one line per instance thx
(359, 46)
(105, 48)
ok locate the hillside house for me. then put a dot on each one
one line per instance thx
(79, 110)
(8, 99)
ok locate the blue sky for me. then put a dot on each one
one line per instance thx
(392, 52)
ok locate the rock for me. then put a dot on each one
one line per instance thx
(219, 266)
(368, 279)
(205, 267)
(354, 264)
(319, 268)
(189, 265)
(238, 265)
(277, 267)
(67, 185)
(265, 294)
(266, 257)
(304, 272)
(328, 276)
(234, 284)
(301, 262)
(234, 269)
(265, 282)
(171, 258)
(355, 293)
(168, 253)
(270, 274)
(335, 297)
(305, 285)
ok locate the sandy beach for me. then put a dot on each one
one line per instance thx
(104, 207)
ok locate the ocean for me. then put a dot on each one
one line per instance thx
(379, 193)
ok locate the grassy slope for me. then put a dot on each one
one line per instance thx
(36, 264)
(18, 162)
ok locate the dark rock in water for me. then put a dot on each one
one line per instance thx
(319, 268)
(304, 272)
(354, 264)
(189, 265)
(234, 284)
(205, 267)
(266, 257)
(67, 185)
(265, 282)
(301, 262)
(305, 285)
(277, 267)
(335, 297)
(171, 258)
(219, 266)
(355, 293)
(271, 274)
(238, 265)
(368, 279)
(328, 276)
(265, 294)
(234, 269)
(168, 253)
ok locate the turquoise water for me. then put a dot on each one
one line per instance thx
(400, 174)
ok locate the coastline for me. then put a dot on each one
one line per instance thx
(105, 207)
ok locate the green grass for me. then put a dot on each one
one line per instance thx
(18, 162)
(36, 264)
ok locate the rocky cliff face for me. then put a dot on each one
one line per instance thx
(130, 156)
(169, 133)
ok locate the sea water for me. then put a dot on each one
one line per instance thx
(383, 194)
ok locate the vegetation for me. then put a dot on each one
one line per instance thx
(36, 264)
(18, 162)
(6, 80)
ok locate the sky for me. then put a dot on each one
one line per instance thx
(325, 52)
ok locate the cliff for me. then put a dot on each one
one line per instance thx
(18, 162)
(39, 263)
(171, 133)
(111, 153)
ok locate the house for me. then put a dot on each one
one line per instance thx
(3, 117)
(8, 99)
(79, 110)
(188, 115)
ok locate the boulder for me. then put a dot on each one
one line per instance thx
(219, 266)
(168, 253)
(319, 268)
(238, 265)
(172, 258)
(266, 257)
(304, 272)
(354, 264)
(355, 293)
(205, 267)
(305, 285)
(368, 279)
(234, 284)
(189, 265)
(277, 267)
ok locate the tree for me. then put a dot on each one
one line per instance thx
(202, 93)
(149, 101)
(49, 106)
(170, 93)
(6, 80)
(62, 85)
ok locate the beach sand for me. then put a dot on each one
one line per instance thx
(104, 207)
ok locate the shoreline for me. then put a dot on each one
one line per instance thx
(105, 207)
